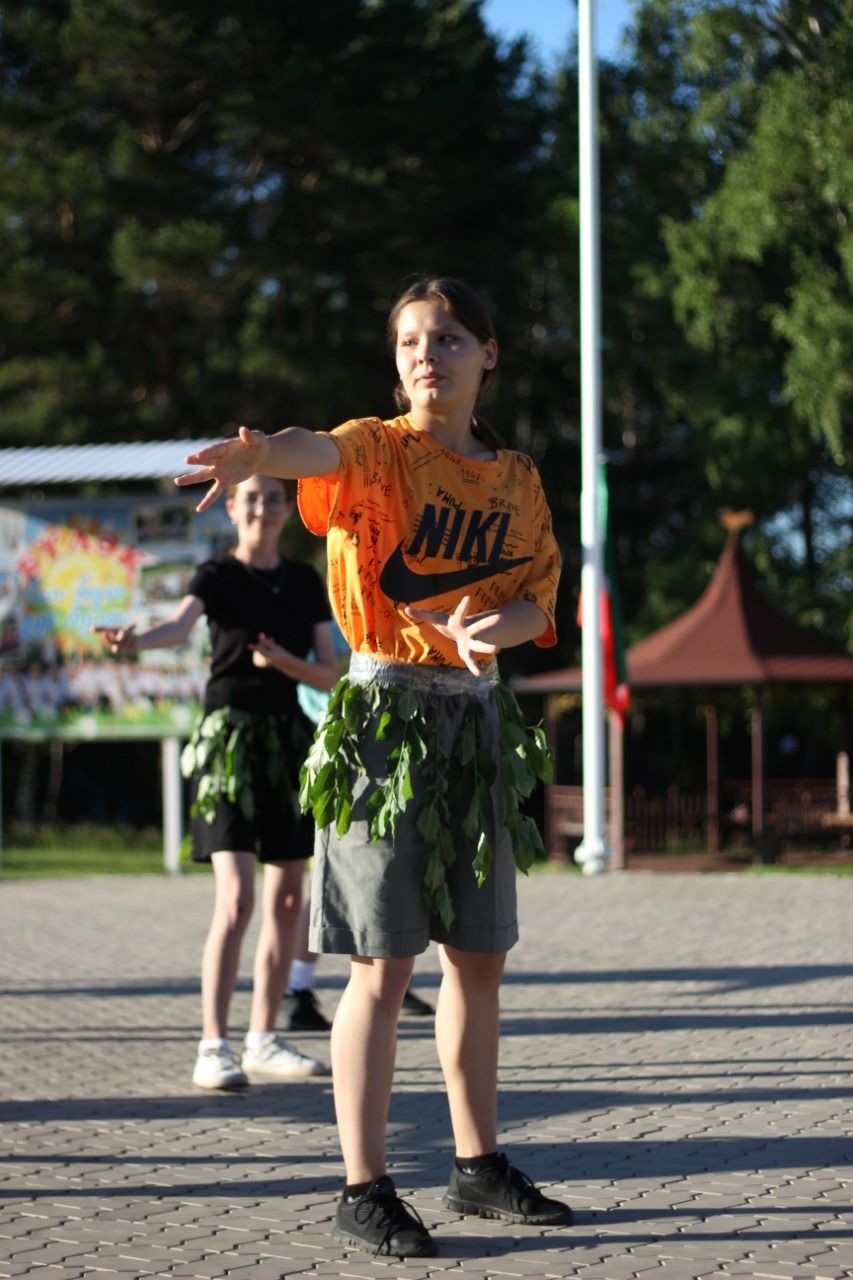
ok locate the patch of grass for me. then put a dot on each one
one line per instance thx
(85, 849)
(801, 869)
(545, 864)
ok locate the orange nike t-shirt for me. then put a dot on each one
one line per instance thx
(410, 523)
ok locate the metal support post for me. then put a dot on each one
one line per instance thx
(170, 761)
(592, 853)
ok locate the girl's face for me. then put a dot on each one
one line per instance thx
(260, 509)
(440, 362)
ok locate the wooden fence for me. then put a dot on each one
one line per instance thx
(798, 810)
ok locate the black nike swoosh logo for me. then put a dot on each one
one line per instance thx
(405, 585)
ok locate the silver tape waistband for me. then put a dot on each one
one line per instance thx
(365, 668)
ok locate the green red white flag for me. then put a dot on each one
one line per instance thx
(617, 694)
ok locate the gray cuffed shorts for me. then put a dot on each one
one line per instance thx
(367, 896)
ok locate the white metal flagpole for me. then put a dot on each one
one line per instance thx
(592, 853)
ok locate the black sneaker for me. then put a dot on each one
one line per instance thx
(302, 1013)
(383, 1222)
(415, 1006)
(500, 1191)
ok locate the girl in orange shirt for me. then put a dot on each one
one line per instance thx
(441, 553)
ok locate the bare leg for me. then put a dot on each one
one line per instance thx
(281, 899)
(364, 1049)
(466, 1033)
(301, 951)
(234, 874)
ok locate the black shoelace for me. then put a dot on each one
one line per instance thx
(525, 1187)
(389, 1204)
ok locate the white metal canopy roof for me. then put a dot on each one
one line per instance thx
(71, 464)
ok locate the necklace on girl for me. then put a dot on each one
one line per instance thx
(260, 575)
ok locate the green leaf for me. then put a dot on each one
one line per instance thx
(443, 906)
(212, 724)
(467, 743)
(322, 781)
(526, 842)
(447, 847)
(304, 789)
(334, 736)
(419, 744)
(517, 774)
(404, 784)
(487, 767)
(514, 735)
(344, 817)
(407, 705)
(353, 709)
(375, 802)
(471, 821)
(382, 727)
(324, 809)
(510, 710)
(429, 823)
(335, 699)
(435, 872)
(483, 860)
(318, 754)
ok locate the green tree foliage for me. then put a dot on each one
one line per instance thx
(209, 207)
(702, 254)
(762, 282)
(207, 210)
(651, 165)
(774, 245)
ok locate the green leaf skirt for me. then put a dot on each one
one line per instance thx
(223, 754)
(384, 727)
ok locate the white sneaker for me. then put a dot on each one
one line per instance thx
(219, 1068)
(275, 1057)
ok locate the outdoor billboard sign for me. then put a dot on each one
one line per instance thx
(67, 565)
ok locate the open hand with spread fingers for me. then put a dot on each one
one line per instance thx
(118, 639)
(227, 463)
(461, 629)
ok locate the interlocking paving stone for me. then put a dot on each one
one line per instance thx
(675, 1062)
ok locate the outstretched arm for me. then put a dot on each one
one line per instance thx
(289, 455)
(166, 635)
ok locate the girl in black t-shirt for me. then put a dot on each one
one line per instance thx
(265, 614)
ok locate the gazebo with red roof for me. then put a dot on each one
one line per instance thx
(731, 636)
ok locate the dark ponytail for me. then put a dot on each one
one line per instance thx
(485, 431)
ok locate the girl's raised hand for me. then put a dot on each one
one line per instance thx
(225, 464)
(460, 629)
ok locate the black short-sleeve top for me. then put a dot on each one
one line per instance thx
(240, 602)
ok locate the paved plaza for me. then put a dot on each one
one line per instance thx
(676, 1062)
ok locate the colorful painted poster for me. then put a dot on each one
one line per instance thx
(68, 566)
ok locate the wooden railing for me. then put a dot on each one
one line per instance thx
(801, 808)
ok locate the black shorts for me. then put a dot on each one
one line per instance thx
(276, 832)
